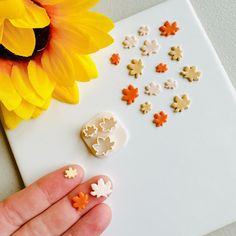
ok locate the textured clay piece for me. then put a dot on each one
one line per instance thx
(103, 146)
(101, 189)
(160, 118)
(149, 47)
(143, 30)
(130, 94)
(130, 42)
(90, 131)
(110, 135)
(81, 201)
(108, 124)
(176, 53)
(190, 73)
(169, 29)
(135, 68)
(180, 103)
(115, 59)
(146, 107)
(161, 68)
(70, 173)
(152, 89)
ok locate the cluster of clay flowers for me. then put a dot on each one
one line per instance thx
(44, 47)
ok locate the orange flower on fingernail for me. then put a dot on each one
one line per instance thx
(80, 201)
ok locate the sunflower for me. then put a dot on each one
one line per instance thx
(44, 51)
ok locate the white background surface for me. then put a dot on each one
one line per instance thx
(217, 18)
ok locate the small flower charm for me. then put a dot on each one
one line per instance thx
(130, 94)
(176, 53)
(161, 68)
(160, 118)
(181, 103)
(149, 47)
(143, 30)
(152, 89)
(169, 29)
(135, 68)
(80, 201)
(90, 131)
(191, 73)
(115, 59)
(101, 189)
(170, 84)
(130, 42)
(103, 146)
(70, 173)
(146, 107)
(108, 124)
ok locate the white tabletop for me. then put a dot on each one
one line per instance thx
(217, 17)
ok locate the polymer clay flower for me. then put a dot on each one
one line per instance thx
(108, 124)
(44, 51)
(101, 189)
(90, 131)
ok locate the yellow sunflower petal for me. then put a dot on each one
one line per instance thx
(50, 2)
(10, 119)
(8, 94)
(39, 80)
(25, 110)
(82, 5)
(11, 8)
(67, 94)
(34, 17)
(46, 104)
(93, 19)
(90, 39)
(22, 84)
(85, 68)
(17, 40)
(1, 30)
(37, 113)
(58, 65)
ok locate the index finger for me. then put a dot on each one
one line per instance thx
(28, 203)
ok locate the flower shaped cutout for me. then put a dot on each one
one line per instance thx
(81, 201)
(160, 118)
(146, 107)
(190, 73)
(181, 103)
(115, 59)
(161, 68)
(130, 94)
(103, 146)
(108, 124)
(90, 131)
(170, 84)
(135, 68)
(169, 29)
(130, 42)
(101, 189)
(70, 173)
(143, 30)
(152, 89)
(176, 53)
(149, 47)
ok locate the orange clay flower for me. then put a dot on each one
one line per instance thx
(169, 29)
(44, 47)
(80, 201)
(161, 68)
(160, 118)
(130, 94)
(115, 59)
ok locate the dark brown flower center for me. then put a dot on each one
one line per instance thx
(42, 37)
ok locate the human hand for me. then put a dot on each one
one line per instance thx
(45, 208)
